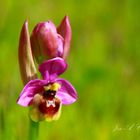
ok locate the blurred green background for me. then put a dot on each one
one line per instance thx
(104, 67)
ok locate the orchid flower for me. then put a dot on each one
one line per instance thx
(46, 96)
(47, 41)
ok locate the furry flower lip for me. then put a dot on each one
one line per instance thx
(49, 41)
(46, 96)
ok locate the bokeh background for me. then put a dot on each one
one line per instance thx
(104, 67)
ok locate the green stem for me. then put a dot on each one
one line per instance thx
(33, 130)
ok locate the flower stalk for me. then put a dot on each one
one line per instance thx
(33, 130)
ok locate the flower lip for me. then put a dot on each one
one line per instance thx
(50, 107)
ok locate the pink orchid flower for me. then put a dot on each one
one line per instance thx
(47, 95)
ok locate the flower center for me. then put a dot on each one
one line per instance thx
(50, 107)
(50, 91)
(49, 94)
(50, 104)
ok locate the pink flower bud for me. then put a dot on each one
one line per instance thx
(26, 63)
(48, 42)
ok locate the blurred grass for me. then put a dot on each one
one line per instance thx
(104, 67)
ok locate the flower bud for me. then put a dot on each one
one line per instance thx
(48, 42)
(26, 63)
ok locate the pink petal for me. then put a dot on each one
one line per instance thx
(52, 68)
(31, 88)
(64, 29)
(67, 92)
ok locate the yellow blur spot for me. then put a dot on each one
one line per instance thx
(48, 87)
(53, 87)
